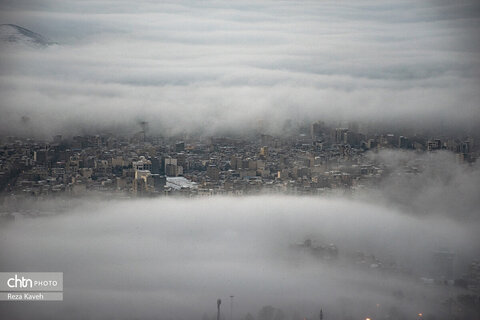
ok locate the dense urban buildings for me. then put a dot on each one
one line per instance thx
(314, 160)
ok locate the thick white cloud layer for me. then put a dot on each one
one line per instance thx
(172, 258)
(216, 66)
(441, 186)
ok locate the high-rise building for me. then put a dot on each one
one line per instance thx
(156, 165)
(317, 129)
(339, 134)
(264, 151)
(180, 146)
(235, 163)
(142, 164)
(170, 167)
(403, 142)
(434, 145)
(159, 182)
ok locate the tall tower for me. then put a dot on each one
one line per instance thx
(144, 125)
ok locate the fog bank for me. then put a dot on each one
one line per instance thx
(223, 67)
(172, 258)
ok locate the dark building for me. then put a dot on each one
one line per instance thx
(156, 166)
(180, 146)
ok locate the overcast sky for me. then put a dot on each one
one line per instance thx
(224, 65)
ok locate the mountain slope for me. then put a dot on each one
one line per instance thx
(10, 33)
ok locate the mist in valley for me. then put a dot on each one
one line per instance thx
(172, 258)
